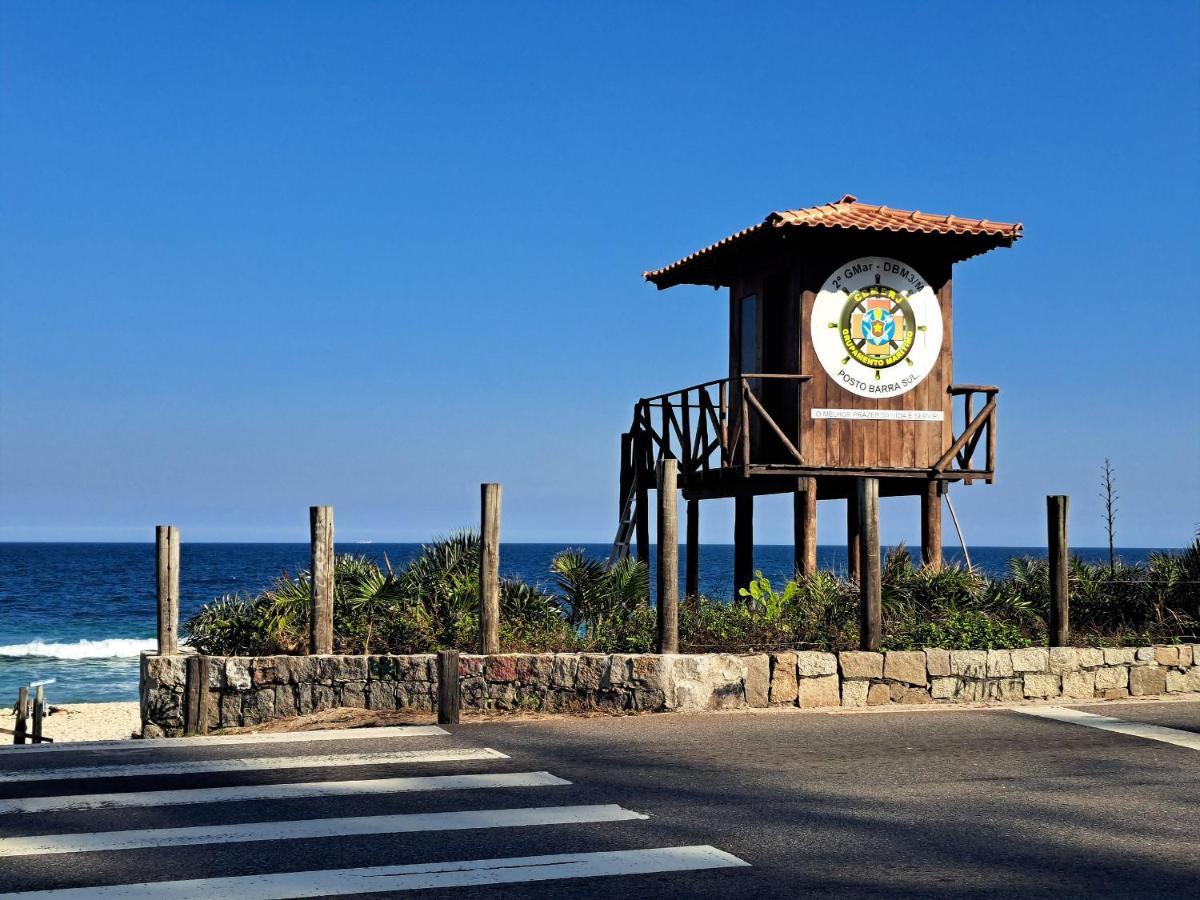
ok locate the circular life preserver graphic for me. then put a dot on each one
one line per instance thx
(877, 327)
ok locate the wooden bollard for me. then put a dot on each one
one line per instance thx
(489, 568)
(869, 585)
(668, 556)
(39, 707)
(320, 520)
(195, 710)
(20, 728)
(166, 539)
(1057, 551)
(448, 688)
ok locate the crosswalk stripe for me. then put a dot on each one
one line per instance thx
(1180, 738)
(299, 829)
(291, 791)
(421, 876)
(254, 763)
(216, 740)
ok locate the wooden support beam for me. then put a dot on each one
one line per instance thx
(804, 525)
(489, 569)
(195, 709)
(1058, 552)
(641, 461)
(320, 526)
(668, 556)
(931, 524)
(743, 544)
(20, 729)
(870, 586)
(166, 539)
(692, 584)
(853, 536)
(448, 710)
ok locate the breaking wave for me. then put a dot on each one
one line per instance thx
(108, 648)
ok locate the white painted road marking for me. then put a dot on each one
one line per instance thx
(254, 764)
(216, 740)
(106, 841)
(1176, 736)
(290, 791)
(473, 873)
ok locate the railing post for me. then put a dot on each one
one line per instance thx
(745, 423)
(723, 399)
(489, 569)
(21, 728)
(1057, 551)
(320, 526)
(448, 687)
(668, 556)
(166, 539)
(870, 587)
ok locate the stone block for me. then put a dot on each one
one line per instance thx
(649, 672)
(944, 688)
(285, 701)
(819, 690)
(1166, 655)
(783, 679)
(1042, 684)
(1193, 679)
(1063, 660)
(904, 665)
(1147, 680)
(1116, 656)
(500, 669)
(322, 698)
(566, 668)
(1176, 681)
(1115, 694)
(382, 695)
(231, 710)
(150, 731)
(811, 664)
(353, 694)
(1080, 685)
(914, 695)
(937, 662)
(968, 663)
(617, 671)
(1186, 656)
(896, 690)
(861, 664)
(1004, 690)
(1111, 677)
(237, 673)
(262, 670)
(590, 670)
(1030, 659)
(757, 681)
(1090, 657)
(1144, 656)
(854, 693)
(214, 668)
(878, 695)
(999, 664)
(259, 706)
(712, 681)
(350, 668)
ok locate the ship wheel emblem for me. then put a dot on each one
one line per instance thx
(877, 327)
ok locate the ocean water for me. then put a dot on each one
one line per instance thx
(81, 613)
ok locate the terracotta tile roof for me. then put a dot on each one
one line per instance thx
(849, 214)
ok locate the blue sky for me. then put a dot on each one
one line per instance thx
(262, 256)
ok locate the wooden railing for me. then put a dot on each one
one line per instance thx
(978, 427)
(719, 424)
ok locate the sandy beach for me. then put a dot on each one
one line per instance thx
(85, 722)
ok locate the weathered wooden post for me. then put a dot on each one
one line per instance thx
(853, 539)
(870, 587)
(804, 525)
(743, 543)
(1057, 550)
(489, 569)
(39, 707)
(195, 710)
(166, 539)
(692, 583)
(20, 729)
(668, 556)
(641, 460)
(448, 687)
(320, 521)
(931, 524)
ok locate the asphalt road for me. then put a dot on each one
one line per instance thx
(922, 803)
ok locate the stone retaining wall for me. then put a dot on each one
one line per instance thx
(252, 690)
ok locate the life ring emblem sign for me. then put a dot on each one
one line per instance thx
(877, 327)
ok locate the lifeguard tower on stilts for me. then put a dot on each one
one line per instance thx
(839, 385)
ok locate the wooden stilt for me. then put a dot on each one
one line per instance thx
(489, 568)
(931, 524)
(804, 512)
(668, 556)
(853, 537)
(641, 474)
(1056, 533)
(870, 587)
(320, 522)
(743, 543)
(692, 584)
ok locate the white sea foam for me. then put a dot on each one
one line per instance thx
(83, 649)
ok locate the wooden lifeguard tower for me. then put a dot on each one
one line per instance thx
(839, 385)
